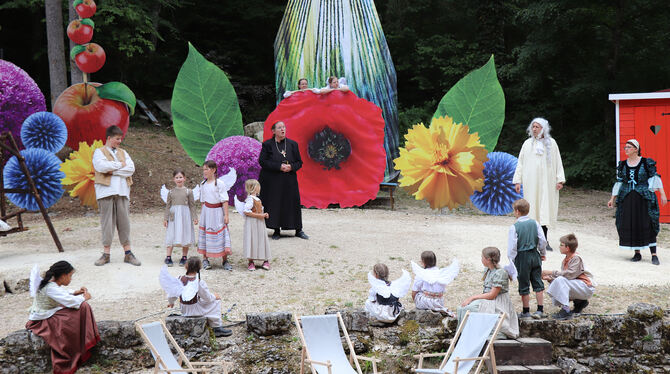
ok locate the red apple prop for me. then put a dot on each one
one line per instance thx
(85, 8)
(87, 115)
(80, 31)
(89, 58)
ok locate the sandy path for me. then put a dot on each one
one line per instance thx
(328, 269)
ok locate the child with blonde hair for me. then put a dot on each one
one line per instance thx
(256, 243)
(430, 282)
(495, 295)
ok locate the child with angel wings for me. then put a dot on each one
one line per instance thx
(180, 216)
(383, 303)
(195, 299)
(430, 282)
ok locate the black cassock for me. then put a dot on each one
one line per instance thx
(279, 191)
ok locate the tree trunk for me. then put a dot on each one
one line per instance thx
(55, 48)
(76, 76)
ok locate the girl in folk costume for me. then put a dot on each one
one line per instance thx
(256, 243)
(194, 297)
(495, 295)
(383, 303)
(62, 317)
(179, 217)
(430, 282)
(213, 235)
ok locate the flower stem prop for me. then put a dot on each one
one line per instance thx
(442, 164)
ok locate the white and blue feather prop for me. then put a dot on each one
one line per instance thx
(433, 275)
(397, 288)
(174, 288)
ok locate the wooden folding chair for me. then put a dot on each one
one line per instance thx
(322, 346)
(466, 345)
(156, 336)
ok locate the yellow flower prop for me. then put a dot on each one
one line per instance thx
(79, 174)
(443, 164)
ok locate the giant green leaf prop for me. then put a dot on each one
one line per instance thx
(477, 100)
(204, 106)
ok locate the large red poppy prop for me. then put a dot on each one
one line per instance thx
(341, 141)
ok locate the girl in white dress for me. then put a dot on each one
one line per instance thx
(430, 282)
(213, 236)
(383, 303)
(179, 218)
(495, 295)
(194, 296)
(256, 243)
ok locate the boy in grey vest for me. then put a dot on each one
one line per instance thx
(526, 247)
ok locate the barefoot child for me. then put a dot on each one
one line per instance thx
(213, 236)
(430, 282)
(526, 248)
(256, 243)
(383, 303)
(572, 282)
(179, 218)
(495, 296)
(195, 299)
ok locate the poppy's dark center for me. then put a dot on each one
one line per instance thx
(329, 148)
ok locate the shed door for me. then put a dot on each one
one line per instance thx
(652, 130)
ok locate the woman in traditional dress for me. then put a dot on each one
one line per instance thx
(540, 171)
(62, 318)
(636, 203)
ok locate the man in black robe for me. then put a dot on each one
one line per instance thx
(280, 160)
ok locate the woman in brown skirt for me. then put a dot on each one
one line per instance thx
(63, 319)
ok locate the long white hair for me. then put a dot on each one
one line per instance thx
(543, 140)
(546, 129)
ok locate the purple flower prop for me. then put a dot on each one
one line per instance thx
(19, 98)
(44, 168)
(240, 153)
(498, 194)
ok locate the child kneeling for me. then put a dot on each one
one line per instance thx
(572, 282)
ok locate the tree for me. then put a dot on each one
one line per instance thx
(55, 47)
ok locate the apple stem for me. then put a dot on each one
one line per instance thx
(86, 98)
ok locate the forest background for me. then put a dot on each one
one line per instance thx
(558, 59)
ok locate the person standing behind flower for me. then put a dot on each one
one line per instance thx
(334, 85)
(280, 160)
(302, 87)
(540, 170)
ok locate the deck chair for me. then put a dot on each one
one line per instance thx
(467, 344)
(154, 334)
(322, 346)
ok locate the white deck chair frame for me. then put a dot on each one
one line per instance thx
(487, 354)
(191, 367)
(353, 357)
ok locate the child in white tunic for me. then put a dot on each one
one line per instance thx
(179, 218)
(383, 303)
(430, 282)
(203, 304)
(572, 282)
(495, 296)
(256, 243)
(213, 235)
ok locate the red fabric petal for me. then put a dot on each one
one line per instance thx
(360, 121)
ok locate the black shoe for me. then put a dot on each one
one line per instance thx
(637, 257)
(654, 260)
(168, 262)
(220, 331)
(276, 235)
(579, 305)
(182, 262)
(562, 315)
(549, 248)
(301, 234)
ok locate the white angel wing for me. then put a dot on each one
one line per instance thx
(190, 290)
(196, 193)
(239, 206)
(4, 226)
(400, 286)
(443, 276)
(379, 286)
(35, 280)
(342, 81)
(171, 285)
(229, 179)
(448, 274)
(164, 193)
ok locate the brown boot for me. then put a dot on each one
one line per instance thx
(131, 259)
(104, 259)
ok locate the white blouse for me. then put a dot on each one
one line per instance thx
(213, 194)
(51, 295)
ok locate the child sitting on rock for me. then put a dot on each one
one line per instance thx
(383, 303)
(572, 282)
(430, 282)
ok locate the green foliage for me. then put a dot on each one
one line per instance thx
(204, 106)
(478, 101)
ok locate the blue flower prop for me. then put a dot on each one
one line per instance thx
(44, 169)
(498, 194)
(44, 130)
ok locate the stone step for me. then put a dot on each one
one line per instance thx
(532, 369)
(544, 369)
(523, 351)
(512, 369)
